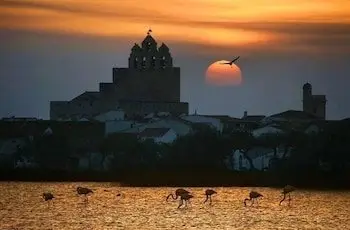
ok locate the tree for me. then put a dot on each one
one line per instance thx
(205, 149)
(243, 142)
(272, 140)
(52, 152)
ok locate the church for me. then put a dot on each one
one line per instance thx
(149, 84)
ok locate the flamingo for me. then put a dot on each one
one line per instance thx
(209, 193)
(84, 191)
(253, 195)
(47, 196)
(178, 193)
(287, 190)
(184, 198)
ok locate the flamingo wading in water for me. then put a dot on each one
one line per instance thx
(253, 195)
(84, 191)
(208, 194)
(287, 190)
(178, 193)
(47, 196)
(184, 199)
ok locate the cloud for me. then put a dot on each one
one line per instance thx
(125, 19)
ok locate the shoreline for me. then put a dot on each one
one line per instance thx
(319, 181)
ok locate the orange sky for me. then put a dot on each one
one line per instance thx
(217, 22)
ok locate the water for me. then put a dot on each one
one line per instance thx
(21, 207)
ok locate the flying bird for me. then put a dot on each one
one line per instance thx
(253, 195)
(287, 190)
(178, 193)
(231, 62)
(208, 194)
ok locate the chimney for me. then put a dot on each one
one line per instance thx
(245, 114)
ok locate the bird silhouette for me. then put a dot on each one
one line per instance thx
(231, 62)
(253, 195)
(208, 194)
(184, 199)
(84, 191)
(287, 190)
(47, 196)
(178, 193)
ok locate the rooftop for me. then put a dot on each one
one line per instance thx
(295, 114)
(154, 132)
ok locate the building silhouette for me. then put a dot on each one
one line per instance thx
(149, 84)
(314, 104)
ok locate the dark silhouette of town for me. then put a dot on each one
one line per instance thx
(135, 130)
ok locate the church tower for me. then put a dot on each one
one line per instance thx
(307, 97)
(149, 56)
(314, 104)
(149, 84)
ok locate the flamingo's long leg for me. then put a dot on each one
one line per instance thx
(180, 203)
(206, 199)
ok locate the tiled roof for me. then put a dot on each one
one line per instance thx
(223, 118)
(253, 118)
(294, 114)
(154, 132)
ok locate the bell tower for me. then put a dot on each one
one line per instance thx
(135, 59)
(314, 104)
(148, 56)
(307, 98)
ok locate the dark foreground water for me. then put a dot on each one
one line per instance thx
(21, 207)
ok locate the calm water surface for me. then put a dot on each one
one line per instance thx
(21, 207)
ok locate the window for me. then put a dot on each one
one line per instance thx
(144, 62)
(153, 62)
(162, 62)
(135, 62)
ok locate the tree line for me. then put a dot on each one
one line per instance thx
(204, 150)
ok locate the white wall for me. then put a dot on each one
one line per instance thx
(168, 137)
(266, 130)
(260, 162)
(113, 115)
(118, 126)
(179, 127)
(312, 129)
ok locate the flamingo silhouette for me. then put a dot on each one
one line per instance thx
(208, 194)
(287, 190)
(47, 196)
(178, 193)
(184, 199)
(253, 195)
(84, 191)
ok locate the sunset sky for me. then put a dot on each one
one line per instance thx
(57, 49)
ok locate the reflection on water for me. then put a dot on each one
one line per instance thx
(22, 207)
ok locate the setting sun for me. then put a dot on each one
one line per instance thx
(220, 74)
